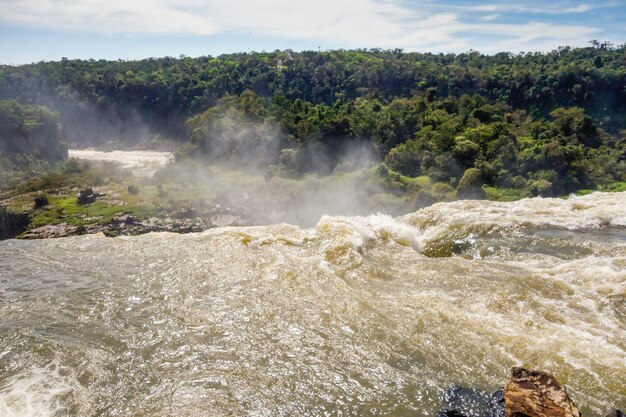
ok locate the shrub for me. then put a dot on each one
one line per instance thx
(470, 185)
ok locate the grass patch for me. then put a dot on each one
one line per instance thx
(615, 187)
(67, 210)
(421, 181)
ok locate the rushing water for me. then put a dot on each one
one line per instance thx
(141, 163)
(357, 316)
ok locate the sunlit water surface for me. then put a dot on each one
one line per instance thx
(359, 316)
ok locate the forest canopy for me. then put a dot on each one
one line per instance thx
(30, 139)
(543, 123)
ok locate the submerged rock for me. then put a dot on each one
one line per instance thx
(468, 402)
(531, 393)
(451, 413)
(496, 404)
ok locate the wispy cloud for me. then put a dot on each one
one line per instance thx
(490, 17)
(550, 9)
(355, 23)
(110, 16)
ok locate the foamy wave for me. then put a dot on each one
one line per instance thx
(446, 224)
(38, 392)
(576, 212)
(356, 231)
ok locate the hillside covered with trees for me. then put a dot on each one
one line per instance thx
(30, 140)
(506, 125)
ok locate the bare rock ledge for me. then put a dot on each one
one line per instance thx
(531, 393)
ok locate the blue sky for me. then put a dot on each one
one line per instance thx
(35, 30)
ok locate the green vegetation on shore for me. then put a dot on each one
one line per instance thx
(60, 187)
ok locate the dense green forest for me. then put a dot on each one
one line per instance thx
(525, 124)
(30, 140)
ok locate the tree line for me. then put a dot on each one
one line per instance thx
(544, 123)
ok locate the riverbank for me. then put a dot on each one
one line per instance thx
(129, 200)
(86, 197)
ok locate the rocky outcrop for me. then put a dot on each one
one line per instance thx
(41, 202)
(12, 224)
(531, 393)
(51, 231)
(123, 219)
(174, 219)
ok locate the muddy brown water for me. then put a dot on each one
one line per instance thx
(357, 316)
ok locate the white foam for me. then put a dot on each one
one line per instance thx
(462, 218)
(36, 392)
(576, 212)
(357, 231)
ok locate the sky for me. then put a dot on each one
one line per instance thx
(46, 30)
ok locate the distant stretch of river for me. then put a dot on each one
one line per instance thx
(141, 163)
(357, 316)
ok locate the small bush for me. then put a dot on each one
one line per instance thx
(470, 186)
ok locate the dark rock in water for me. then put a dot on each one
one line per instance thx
(41, 202)
(86, 196)
(459, 401)
(451, 413)
(12, 224)
(531, 393)
(616, 413)
(496, 404)
(133, 189)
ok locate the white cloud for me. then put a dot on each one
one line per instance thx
(490, 17)
(579, 9)
(350, 23)
(107, 16)
(532, 36)
(526, 8)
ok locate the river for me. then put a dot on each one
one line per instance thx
(357, 316)
(141, 163)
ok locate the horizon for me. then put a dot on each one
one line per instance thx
(365, 50)
(44, 30)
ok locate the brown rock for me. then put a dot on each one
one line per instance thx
(531, 393)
